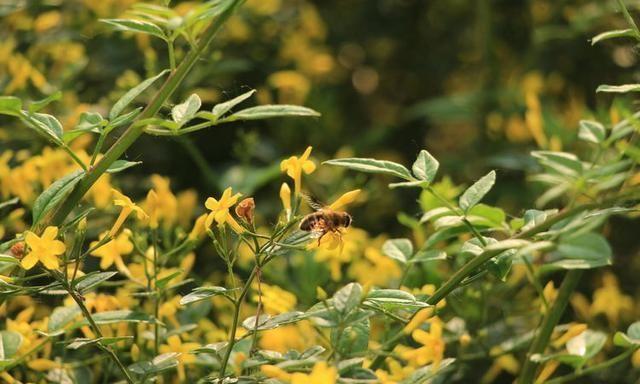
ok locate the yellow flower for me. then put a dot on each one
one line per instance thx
(161, 203)
(506, 363)
(285, 197)
(128, 206)
(294, 166)
(276, 300)
(396, 373)
(344, 200)
(174, 344)
(199, 228)
(44, 249)
(321, 373)
(432, 350)
(610, 300)
(112, 251)
(220, 210)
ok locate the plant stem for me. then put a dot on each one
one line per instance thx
(629, 19)
(172, 55)
(539, 343)
(96, 329)
(598, 367)
(236, 317)
(156, 303)
(134, 131)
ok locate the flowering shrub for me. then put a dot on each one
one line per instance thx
(97, 286)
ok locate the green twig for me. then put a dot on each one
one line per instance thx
(236, 317)
(595, 368)
(553, 315)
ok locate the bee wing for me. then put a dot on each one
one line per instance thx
(316, 233)
(313, 202)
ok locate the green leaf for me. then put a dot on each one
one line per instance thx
(612, 35)
(629, 339)
(8, 259)
(270, 111)
(586, 345)
(136, 26)
(390, 299)
(562, 162)
(47, 125)
(10, 202)
(203, 293)
(398, 249)
(424, 374)
(583, 251)
(122, 316)
(220, 109)
(134, 92)
(88, 122)
(425, 167)
(353, 339)
(373, 166)
(619, 88)
(159, 363)
(348, 297)
(10, 105)
(187, 110)
(57, 191)
(121, 165)
(423, 256)
(10, 342)
(61, 317)
(83, 342)
(266, 322)
(40, 104)
(476, 192)
(87, 282)
(592, 131)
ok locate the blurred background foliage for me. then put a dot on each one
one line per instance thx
(477, 83)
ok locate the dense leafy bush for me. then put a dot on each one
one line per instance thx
(258, 282)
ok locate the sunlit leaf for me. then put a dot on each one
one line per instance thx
(373, 166)
(477, 191)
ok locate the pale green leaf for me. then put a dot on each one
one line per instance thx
(270, 111)
(612, 35)
(591, 131)
(56, 192)
(619, 88)
(131, 94)
(187, 110)
(373, 166)
(138, 26)
(398, 249)
(425, 167)
(474, 194)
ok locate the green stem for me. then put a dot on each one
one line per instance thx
(98, 333)
(629, 19)
(134, 131)
(595, 368)
(236, 317)
(172, 55)
(539, 343)
(98, 148)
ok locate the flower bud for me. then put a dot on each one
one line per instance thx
(17, 250)
(245, 209)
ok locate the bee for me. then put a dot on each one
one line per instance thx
(324, 220)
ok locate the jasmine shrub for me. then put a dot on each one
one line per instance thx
(127, 304)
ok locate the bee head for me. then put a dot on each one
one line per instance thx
(347, 220)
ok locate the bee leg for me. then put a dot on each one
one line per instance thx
(321, 236)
